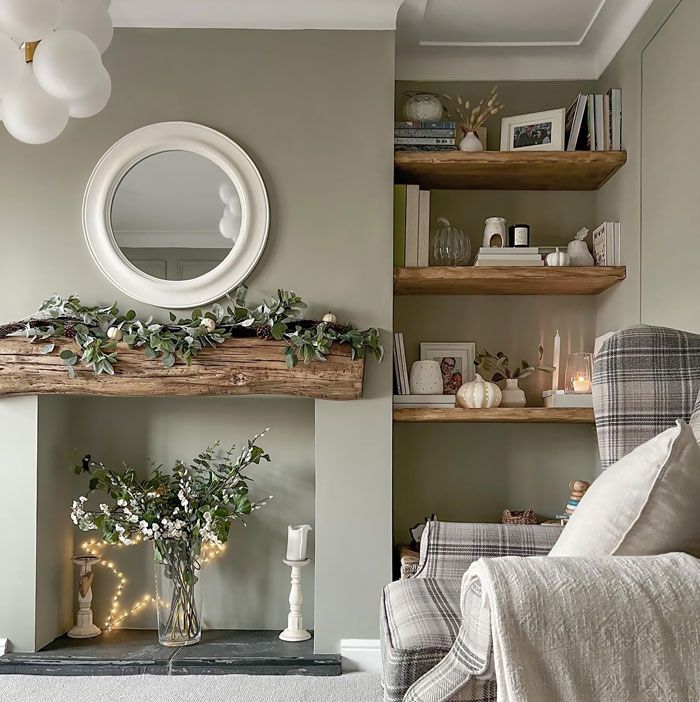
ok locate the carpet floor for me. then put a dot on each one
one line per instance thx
(351, 687)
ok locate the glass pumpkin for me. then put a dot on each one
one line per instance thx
(422, 107)
(451, 246)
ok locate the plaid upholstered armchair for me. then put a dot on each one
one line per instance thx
(435, 635)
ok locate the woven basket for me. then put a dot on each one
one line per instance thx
(526, 516)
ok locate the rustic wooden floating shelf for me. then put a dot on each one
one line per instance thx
(503, 280)
(248, 366)
(536, 415)
(507, 170)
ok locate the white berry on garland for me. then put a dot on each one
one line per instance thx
(115, 334)
(208, 324)
(330, 318)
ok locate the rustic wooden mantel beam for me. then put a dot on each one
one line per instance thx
(236, 367)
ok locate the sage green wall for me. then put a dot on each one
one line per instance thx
(670, 247)
(621, 197)
(298, 103)
(472, 473)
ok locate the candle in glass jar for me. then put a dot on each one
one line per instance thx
(581, 384)
(296, 542)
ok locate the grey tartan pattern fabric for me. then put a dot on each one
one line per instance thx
(449, 548)
(644, 379)
(466, 672)
(421, 617)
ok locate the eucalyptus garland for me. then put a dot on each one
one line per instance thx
(97, 331)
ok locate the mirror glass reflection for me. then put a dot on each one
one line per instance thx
(176, 215)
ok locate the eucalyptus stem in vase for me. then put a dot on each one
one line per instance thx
(178, 510)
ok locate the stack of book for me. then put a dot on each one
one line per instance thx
(425, 136)
(424, 401)
(594, 122)
(411, 226)
(400, 367)
(509, 256)
(606, 244)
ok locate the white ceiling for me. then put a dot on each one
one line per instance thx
(436, 39)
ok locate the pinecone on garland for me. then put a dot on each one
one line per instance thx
(69, 331)
(264, 332)
(7, 329)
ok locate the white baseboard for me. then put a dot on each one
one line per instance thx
(362, 655)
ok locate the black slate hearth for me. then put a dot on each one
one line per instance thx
(135, 652)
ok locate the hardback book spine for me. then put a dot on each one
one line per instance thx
(424, 141)
(426, 125)
(591, 122)
(444, 133)
(617, 251)
(606, 122)
(399, 225)
(412, 217)
(404, 367)
(599, 130)
(600, 245)
(423, 228)
(397, 367)
(424, 147)
(615, 95)
(491, 264)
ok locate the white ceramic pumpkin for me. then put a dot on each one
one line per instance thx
(558, 258)
(330, 318)
(479, 394)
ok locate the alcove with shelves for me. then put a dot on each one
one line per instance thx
(501, 458)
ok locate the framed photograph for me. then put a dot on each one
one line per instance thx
(456, 363)
(538, 131)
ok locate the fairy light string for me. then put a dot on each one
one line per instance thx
(210, 552)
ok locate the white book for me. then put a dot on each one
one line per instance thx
(424, 399)
(508, 264)
(617, 251)
(422, 405)
(616, 118)
(412, 218)
(528, 257)
(509, 250)
(567, 399)
(423, 228)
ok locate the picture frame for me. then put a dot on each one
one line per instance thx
(537, 131)
(456, 361)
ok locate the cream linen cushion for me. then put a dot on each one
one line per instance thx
(645, 504)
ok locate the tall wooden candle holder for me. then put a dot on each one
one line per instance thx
(295, 627)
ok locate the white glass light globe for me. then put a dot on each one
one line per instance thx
(28, 20)
(230, 226)
(94, 101)
(89, 17)
(11, 64)
(67, 65)
(226, 192)
(31, 115)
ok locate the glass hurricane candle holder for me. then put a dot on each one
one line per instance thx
(579, 373)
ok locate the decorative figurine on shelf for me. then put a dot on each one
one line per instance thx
(578, 490)
(330, 318)
(84, 627)
(495, 236)
(579, 255)
(557, 258)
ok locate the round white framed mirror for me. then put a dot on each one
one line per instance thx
(176, 215)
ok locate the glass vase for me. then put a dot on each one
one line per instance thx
(178, 591)
(451, 247)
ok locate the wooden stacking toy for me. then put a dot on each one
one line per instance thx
(578, 490)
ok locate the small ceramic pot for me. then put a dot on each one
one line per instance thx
(512, 395)
(426, 378)
(471, 142)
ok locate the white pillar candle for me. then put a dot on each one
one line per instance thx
(296, 542)
(581, 384)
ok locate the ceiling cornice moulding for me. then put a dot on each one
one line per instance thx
(585, 59)
(257, 14)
